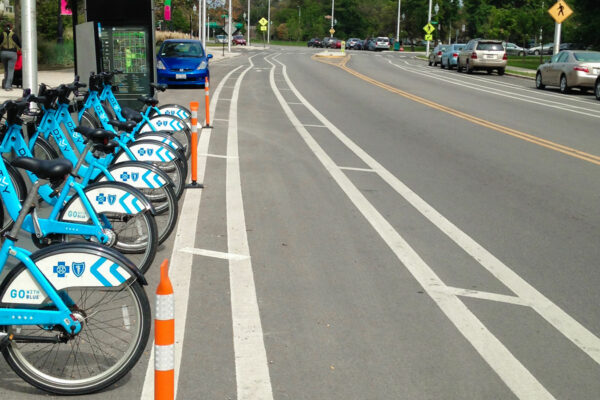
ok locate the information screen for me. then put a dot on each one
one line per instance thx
(126, 49)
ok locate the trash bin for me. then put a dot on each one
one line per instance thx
(397, 46)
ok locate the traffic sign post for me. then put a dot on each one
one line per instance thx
(559, 11)
(263, 22)
(429, 30)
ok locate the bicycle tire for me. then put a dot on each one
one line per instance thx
(136, 234)
(177, 128)
(20, 189)
(90, 120)
(163, 198)
(44, 150)
(115, 332)
(174, 109)
(175, 168)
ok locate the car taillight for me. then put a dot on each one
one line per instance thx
(504, 57)
(582, 69)
(439, 53)
(474, 55)
(454, 54)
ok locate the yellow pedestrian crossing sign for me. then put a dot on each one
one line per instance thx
(428, 37)
(263, 21)
(428, 29)
(560, 11)
(263, 28)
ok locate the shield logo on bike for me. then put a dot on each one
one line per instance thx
(135, 176)
(150, 151)
(111, 199)
(78, 268)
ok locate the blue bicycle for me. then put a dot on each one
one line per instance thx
(74, 318)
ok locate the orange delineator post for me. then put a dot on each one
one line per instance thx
(207, 101)
(194, 107)
(164, 338)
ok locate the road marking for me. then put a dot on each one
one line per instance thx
(180, 270)
(485, 296)
(221, 119)
(313, 126)
(251, 366)
(295, 103)
(501, 360)
(214, 155)
(214, 254)
(563, 322)
(357, 169)
(476, 120)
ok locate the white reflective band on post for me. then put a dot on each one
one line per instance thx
(164, 357)
(194, 114)
(165, 309)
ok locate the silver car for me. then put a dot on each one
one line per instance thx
(482, 54)
(382, 43)
(569, 69)
(435, 57)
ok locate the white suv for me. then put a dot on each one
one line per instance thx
(382, 43)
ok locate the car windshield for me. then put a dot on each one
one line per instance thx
(587, 57)
(182, 49)
(459, 47)
(382, 39)
(490, 46)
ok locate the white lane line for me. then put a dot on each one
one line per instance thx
(314, 126)
(563, 322)
(214, 254)
(523, 384)
(357, 169)
(501, 298)
(251, 365)
(295, 104)
(221, 119)
(214, 155)
(180, 264)
(503, 93)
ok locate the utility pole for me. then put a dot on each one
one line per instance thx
(269, 24)
(229, 29)
(248, 24)
(398, 23)
(29, 36)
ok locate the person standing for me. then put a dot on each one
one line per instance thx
(8, 55)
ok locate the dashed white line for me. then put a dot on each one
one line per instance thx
(214, 254)
(357, 169)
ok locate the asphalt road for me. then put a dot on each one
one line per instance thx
(373, 228)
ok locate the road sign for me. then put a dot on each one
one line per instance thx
(434, 22)
(263, 28)
(428, 28)
(263, 21)
(332, 31)
(428, 37)
(560, 11)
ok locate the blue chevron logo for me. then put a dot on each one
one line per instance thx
(114, 271)
(145, 179)
(122, 203)
(158, 181)
(94, 271)
(160, 157)
(135, 205)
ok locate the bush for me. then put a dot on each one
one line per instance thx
(161, 36)
(54, 54)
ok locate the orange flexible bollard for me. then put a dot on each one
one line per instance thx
(164, 338)
(207, 102)
(194, 107)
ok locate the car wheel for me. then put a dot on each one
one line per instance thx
(564, 87)
(468, 68)
(489, 71)
(442, 66)
(500, 71)
(430, 63)
(458, 67)
(521, 54)
(597, 89)
(538, 81)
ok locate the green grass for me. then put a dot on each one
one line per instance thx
(529, 62)
(279, 42)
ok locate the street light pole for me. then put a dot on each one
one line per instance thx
(429, 22)
(269, 24)
(204, 27)
(332, 19)
(248, 24)
(229, 29)
(398, 23)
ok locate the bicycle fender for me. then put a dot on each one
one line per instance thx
(137, 174)
(148, 150)
(161, 136)
(109, 197)
(175, 110)
(164, 123)
(68, 266)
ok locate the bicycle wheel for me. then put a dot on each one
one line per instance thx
(18, 184)
(156, 187)
(132, 234)
(44, 150)
(90, 120)
(116, 326)
(175, 127)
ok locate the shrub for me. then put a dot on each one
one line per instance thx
(54, 54)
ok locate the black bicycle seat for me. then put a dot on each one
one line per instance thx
(126, 126)
(45, 169)
(131, 114)
(149, 101)
(159, 87)
(108, 148)
(96, 135)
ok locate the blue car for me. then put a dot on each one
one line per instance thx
(450, 55)
(182, 62)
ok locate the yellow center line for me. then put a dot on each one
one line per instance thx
(471, 118)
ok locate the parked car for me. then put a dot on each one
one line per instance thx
(314, 42)
(450, 55)
(325, 42)
(182, 62)
(238, 39)
(335, 43)
(569, 69)
(547, 48)
(354, 44)
(221, 39)
(572, 46)
(382, 43)
(367, 44)
(435, 57)
(482, 54)
(514, 50)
